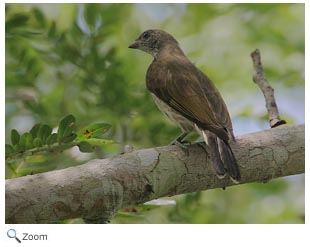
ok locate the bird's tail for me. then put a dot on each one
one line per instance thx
(222, 157)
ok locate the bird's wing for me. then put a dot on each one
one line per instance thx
(187, 90)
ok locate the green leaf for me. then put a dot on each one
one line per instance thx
(14, 137)
(44, 132)
(9, 149)
(37, 142)
(85, 147)
(51, 139)
(16, 20)
(39, 16)
(70, 138)
(99, 142)
(17, 147)
(52, 30)
(23, 141)
(69, 130)
(34, 130)
(93, 130)
(66, 122)
(26, 141)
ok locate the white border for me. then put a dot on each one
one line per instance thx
(166, 235)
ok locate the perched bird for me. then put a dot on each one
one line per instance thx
(189, 98)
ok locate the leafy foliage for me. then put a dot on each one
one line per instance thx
(41, 140)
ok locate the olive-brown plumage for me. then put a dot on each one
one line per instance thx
(189, 98)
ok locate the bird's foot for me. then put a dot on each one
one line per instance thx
(179, 140)
(184, 145)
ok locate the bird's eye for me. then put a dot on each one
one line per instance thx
(146, 35)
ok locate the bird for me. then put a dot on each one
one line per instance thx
(189, 99)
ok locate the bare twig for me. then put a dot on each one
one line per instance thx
(260, 79)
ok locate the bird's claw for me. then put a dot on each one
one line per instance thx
(182, 144)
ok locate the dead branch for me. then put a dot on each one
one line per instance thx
(260, 79)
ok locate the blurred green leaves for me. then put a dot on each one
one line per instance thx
(16, 20)
(77, 66)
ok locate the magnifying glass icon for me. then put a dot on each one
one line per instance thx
(12, 234)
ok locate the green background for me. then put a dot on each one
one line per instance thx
(74, 58)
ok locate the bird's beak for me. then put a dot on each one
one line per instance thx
(135, 44)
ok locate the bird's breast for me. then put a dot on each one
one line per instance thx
(184, 124)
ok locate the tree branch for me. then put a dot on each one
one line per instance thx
(268, 91)
(99, 188)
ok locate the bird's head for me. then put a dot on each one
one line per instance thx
(153, 41)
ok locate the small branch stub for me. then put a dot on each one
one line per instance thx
(268, 91)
